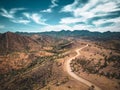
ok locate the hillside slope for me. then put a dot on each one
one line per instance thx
(10, 42)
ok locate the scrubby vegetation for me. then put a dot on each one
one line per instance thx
(113, 62)
(35, 61)
(39, 72)
(36, 74)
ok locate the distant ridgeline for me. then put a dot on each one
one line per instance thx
(79, 34)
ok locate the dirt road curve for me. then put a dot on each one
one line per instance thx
(72, 74)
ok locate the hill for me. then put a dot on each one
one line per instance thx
(10, 42)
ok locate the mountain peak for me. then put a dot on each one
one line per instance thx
(9, 34)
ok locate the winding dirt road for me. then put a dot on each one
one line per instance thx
(72, 74)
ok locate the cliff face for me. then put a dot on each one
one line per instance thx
(10, 42)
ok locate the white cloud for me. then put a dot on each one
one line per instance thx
(91, 9)
(85, 11)
(79, 11)
(56, 27)
(66, 27)
(27, 15)
(103, 21)
(70, 20)
(6, 14)
(81, 27)
(11, 13)
(37, 18)
(49, 10)
(53, 3)
(59, 27)
(2, 26)
(22, 21)
(113, 28)
(105, 8)
(70, 7)
(14, 10)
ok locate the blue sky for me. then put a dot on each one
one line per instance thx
(48, 15)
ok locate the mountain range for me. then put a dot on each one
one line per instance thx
(79, 33)
(23, 41)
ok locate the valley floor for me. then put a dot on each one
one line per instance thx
(80, 67)
(83, 80)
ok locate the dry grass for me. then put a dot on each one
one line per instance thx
(95, 53)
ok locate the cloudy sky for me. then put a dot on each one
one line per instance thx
(49, 15)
